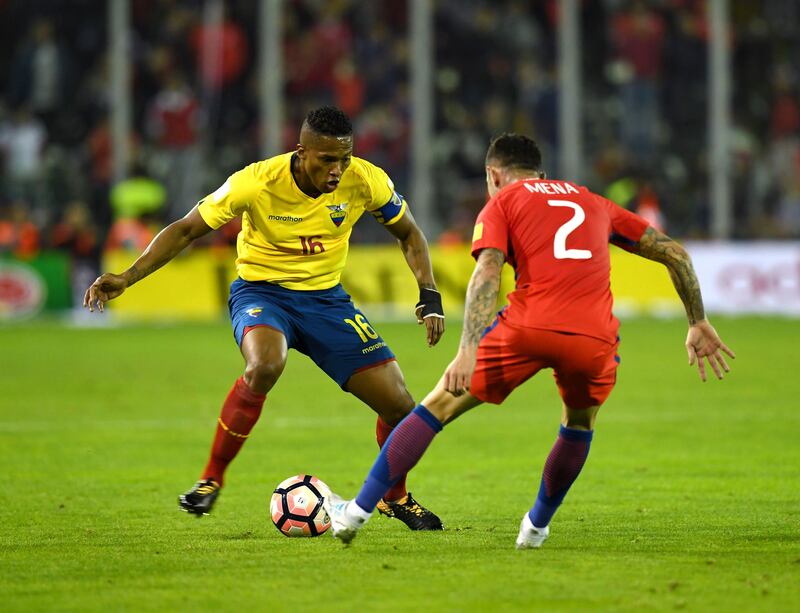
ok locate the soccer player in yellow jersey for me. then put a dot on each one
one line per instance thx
(298, 210)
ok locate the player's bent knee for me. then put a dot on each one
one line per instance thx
(261, 375)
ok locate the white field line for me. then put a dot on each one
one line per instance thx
(133, 425)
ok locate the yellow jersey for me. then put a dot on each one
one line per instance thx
(289, 238)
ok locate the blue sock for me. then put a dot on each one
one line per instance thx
(401, 451)
(562, 467)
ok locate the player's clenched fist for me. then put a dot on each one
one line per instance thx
(106, 287)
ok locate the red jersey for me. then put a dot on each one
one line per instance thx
(555, 234)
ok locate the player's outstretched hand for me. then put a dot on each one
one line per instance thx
(106, 287)
(703, 342)
(459, 373)
(429, 311)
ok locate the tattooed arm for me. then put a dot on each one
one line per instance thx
(702, 340)
(166, 245)
(661, 248)
(481, 302)
(481, 297)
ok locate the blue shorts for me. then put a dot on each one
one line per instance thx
(323, 324)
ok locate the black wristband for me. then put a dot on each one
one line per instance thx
(430, 304)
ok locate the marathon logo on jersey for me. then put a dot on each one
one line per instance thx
(285, 218)
(338, 213)
(254, 312)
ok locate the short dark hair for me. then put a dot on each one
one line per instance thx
(330, 121)
(511, 150)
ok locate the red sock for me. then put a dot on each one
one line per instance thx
(239, 414)
(398, 490)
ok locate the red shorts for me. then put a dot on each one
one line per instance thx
(585, 368)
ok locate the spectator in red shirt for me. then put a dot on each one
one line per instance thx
(638, 36)
(785, 113)
(221, 52)
(173, 124)
(76, 234)
(18, 234)
(348, 87)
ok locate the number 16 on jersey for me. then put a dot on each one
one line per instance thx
(362, 328)
(311, 246)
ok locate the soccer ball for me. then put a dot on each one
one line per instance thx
(296, 506)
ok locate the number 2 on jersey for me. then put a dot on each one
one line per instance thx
(560, 250)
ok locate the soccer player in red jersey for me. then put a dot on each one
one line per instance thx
(555, 234)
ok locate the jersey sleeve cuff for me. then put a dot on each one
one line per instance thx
(476, 250)
(208, 216)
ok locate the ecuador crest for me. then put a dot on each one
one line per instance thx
(338, 213)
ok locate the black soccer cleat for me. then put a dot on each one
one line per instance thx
(200, 498)
(411, 513)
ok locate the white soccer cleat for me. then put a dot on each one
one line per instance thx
(345, 522)
(531, 537)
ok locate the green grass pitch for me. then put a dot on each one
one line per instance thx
(690, 497)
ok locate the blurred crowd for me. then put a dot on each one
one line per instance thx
(195, 107)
